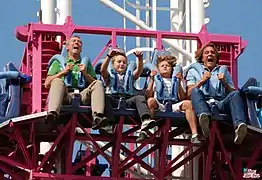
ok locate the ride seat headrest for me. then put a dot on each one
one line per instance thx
(259, 102)
(98, 68)
(162, 53)
(157, 53)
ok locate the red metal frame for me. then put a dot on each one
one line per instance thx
(21, 159)
(18, 163)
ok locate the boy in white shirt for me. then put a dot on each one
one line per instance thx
(165, 66)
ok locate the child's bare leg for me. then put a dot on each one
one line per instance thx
(152, 105)
(190, 115)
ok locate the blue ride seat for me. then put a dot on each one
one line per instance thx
(178, 119)
(123, 110)
(98, 65)
(98, 169)
(61, 59)
(157, 53)
(76, 106)
(252, 95)
(145, 73)
(10, 95)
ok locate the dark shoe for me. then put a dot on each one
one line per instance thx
(105, 131)
(51, 118)
(142, 136)
(204, 120)
(50, 121)
(148, 124)
(99, 122)
(240, 133)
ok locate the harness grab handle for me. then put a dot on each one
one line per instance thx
(68, 78)
(198, 67)
(205, 88)
(220, 90)
(81, 78)
(175, 83)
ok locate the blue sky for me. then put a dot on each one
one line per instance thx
(238, 17)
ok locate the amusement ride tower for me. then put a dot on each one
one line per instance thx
(29, 150)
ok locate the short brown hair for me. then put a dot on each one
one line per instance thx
(117, 54)
(168, 58)
(119, 51)
(199, 52)
(74, 36)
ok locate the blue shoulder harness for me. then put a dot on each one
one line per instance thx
(128, 79)
(81, 79)
(220, 90)
(68, 78)
(160, 83)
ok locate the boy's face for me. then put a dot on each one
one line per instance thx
(120, 63)
(165, 69)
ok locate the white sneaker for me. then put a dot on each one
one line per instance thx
(148, 124)
(204, 124)
(142, 136)
(240, 133)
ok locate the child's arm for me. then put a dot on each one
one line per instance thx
(104, 66)
(137, 73)
(181, 92)
(150, 89)
(104, 72)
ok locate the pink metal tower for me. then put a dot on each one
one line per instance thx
(21, 136)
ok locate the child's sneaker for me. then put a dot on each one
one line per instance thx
(195, 139)
(98, 122)
(240, 133)
(142, 136)
(148, 124)
(106, 130)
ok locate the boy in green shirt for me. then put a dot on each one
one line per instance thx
(59, 93)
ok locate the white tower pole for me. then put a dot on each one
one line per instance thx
(64, 9)
(138, 39)
(176, 21)
(124, 23)
(153, 45)
(154, 19)
(148, 24)
(144, 26)
(197, 19)
(188, 26)
(137, 27)
(47, 11)
(47, 16)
